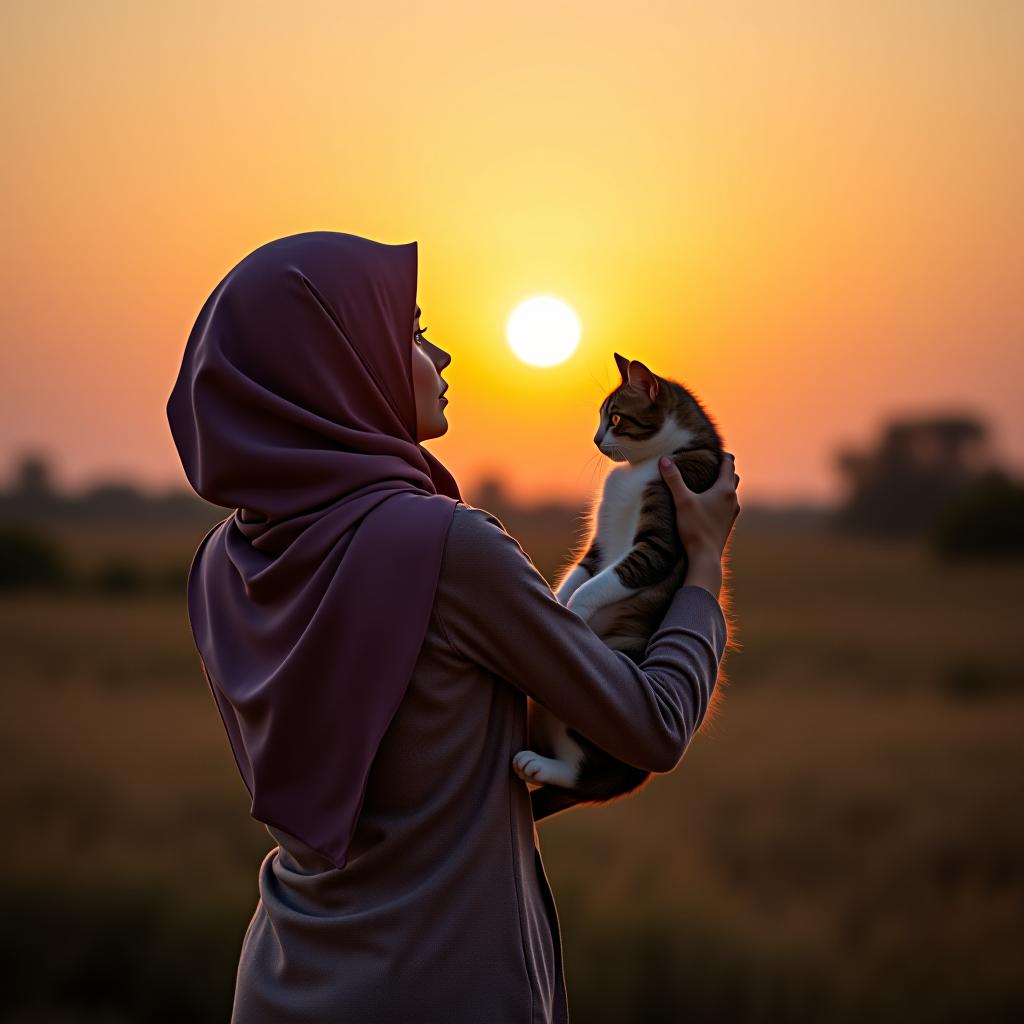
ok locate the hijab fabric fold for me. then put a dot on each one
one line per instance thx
(295, 406)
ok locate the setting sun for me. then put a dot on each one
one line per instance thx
(543, 331)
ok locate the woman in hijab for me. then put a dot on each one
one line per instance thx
(370, 641)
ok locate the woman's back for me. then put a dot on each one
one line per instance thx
(443, 912)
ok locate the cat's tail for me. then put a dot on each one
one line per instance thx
(548, 800)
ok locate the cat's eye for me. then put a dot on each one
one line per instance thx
(615, 419)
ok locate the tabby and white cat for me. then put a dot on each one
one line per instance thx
(633, 564)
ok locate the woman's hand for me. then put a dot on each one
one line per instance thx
(704, 521)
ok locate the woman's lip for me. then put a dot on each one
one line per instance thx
(444, 399)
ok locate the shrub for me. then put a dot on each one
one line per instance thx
(985, 521)
(29, 558)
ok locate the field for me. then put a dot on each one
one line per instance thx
(844, 843)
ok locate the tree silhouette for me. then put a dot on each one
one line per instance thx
(33, 477)
(900, 487)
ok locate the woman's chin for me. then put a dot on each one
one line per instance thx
(440, 426)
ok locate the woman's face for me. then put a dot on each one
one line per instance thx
(428, 360)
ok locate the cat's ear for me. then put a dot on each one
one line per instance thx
(623, 364)
(640, 377)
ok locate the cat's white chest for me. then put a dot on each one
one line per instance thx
(618, 515)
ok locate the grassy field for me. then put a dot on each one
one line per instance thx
(844, 843)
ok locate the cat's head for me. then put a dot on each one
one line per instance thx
(647, 416)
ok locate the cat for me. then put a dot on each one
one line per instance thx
(632, 565)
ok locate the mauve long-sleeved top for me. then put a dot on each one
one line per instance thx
(443, 913)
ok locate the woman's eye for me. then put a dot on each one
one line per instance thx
(419, 334)
(615, 419)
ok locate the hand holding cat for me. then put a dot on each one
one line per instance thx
(704, 520)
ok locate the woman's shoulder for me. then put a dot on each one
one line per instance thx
(485, 573)
(476, 535)
(474, 528)
(470, 519)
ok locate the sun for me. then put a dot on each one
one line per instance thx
(543, 331)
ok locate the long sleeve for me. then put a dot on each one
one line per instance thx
(498, 611)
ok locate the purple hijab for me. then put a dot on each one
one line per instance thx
(294, 405)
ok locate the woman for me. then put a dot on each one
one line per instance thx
(370, 642)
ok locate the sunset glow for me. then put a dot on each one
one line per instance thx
(809, 214)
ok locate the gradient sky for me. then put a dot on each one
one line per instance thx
(810, 214)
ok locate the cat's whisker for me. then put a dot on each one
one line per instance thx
(600, 387)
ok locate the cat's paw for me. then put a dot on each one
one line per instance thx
(532, 767)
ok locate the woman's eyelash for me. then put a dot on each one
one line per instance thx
(420, 332)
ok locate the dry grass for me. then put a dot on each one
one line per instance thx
(846, 843)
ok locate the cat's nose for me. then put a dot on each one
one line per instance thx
(598, 436)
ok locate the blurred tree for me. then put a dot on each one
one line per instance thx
(29, 558)
(918, 466)
(985, 520)
(119, 576)
(33, 477)
(490, 494)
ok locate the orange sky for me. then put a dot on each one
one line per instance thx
(811, 214)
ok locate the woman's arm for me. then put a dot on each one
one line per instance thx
(499, 611)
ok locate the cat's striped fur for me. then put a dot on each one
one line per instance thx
(632, 564)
